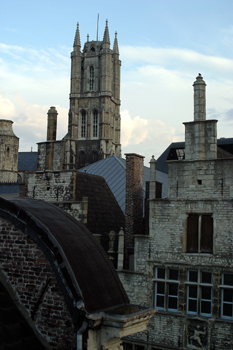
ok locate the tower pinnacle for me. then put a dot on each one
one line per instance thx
(115, 45)
(106, 38)
(77, 37)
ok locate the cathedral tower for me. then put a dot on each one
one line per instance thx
(94, 114)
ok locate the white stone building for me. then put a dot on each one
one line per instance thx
(184, 267)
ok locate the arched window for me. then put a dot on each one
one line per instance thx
(82, 158)
(83, 125)
(91, 78)
(94, 156)
(95, 124)
(8, 152)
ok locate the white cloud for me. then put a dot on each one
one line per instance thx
(156, 93)
(146, 136)
(30, 120)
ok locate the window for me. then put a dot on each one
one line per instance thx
(199, 293)
(199, 233)
(166, 288)
(130, 346)
(227, 296)
(83, 125)
(95, 124)
(91, 78)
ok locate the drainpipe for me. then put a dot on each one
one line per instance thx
(80, 335)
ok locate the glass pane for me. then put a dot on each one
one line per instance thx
(227, 310)
(206, 277)
(173, 289)
(127, 346)
(228, 279)
(173, 274)
(193, 276)
(192, 306)
(161, 273)
(227, 295)
(206, 293)
(139, 347)
(172, 303)
(206, 307)
(192, 292)
(160, 301)
(160, 287)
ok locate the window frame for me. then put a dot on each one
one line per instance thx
(83, 124)
(200, 233)
(167, 282)
(95, 124)
(91, 78)
(225, 287)
(200, 287)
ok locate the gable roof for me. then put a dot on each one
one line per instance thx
(113, 170)
(80, 264)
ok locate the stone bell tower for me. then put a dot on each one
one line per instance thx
(94, 114)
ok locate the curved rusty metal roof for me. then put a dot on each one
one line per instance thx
(81, 266)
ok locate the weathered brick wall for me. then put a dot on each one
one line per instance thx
(133, 201)
(57, 188)
(51, 186)
(32, 278)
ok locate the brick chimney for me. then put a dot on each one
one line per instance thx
(133, 204)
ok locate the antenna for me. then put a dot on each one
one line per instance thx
(97, 27)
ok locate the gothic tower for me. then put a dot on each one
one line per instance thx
(94, 114)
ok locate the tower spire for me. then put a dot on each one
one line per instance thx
(77, 37)
(106, 34)
(115, 45)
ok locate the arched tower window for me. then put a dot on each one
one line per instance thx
(91, 78)
(8, 152)
(95, 124)
(83, 125)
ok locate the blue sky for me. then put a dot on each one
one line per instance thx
(163, 46)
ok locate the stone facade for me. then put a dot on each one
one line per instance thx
(184, 267)
(94, 115)
(9, 145)
(58, 188)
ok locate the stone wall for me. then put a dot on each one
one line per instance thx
(34, 283)
(57, 188)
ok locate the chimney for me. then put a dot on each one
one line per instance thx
(51, 137)
(133, 204)
(200, 134)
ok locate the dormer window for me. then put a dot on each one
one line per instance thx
(83, 125)
(91, 78)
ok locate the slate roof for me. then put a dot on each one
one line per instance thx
(113, 169)
(15, 332)
(104, 214)
(27, 161)
(224, 149)
(9, 189)
(75, 255)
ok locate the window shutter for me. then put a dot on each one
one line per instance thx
(207, 234)
(192, 233)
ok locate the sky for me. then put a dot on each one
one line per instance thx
(163, 46)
